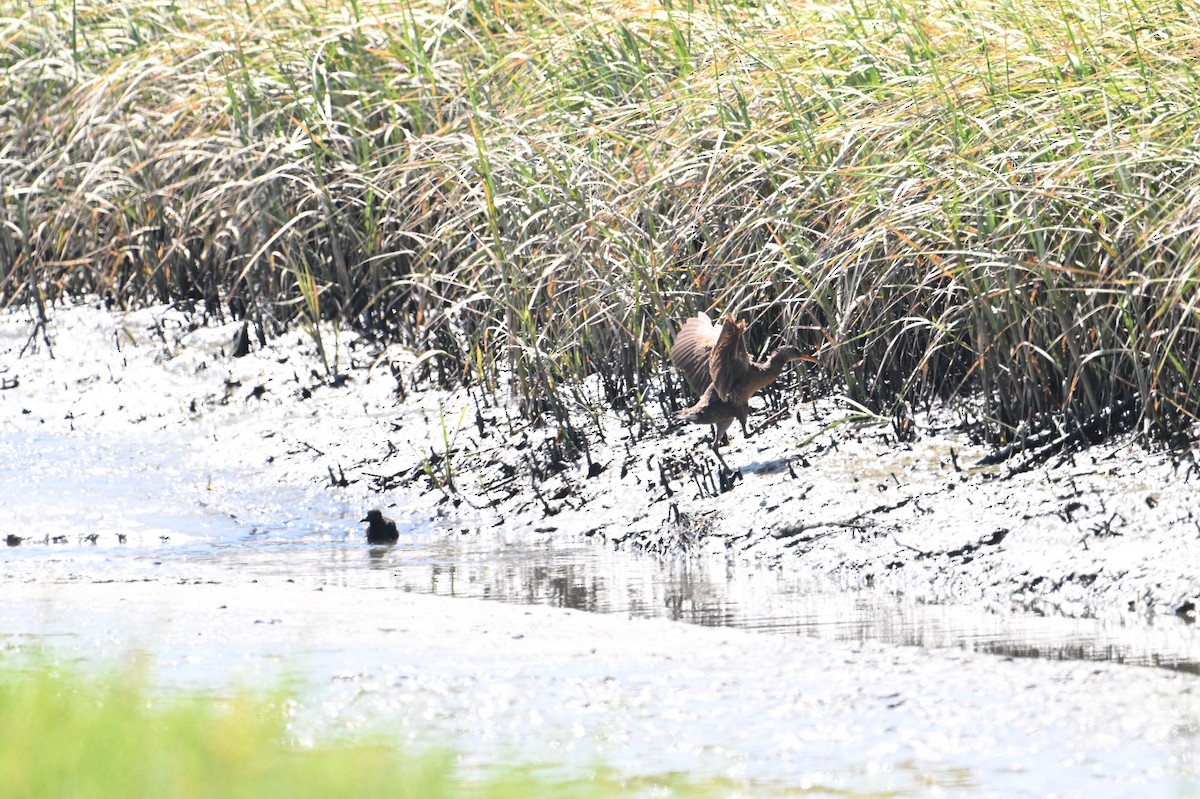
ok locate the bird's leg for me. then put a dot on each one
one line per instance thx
(717, 452)
(719, 429)
(718, 434)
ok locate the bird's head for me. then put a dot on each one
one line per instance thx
(788, 353)
(373, 516)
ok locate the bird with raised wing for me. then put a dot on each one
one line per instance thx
(716, 365)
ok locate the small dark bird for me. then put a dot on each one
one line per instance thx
(380, 529)
(13, 540)
(716, 365)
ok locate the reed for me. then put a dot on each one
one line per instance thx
(992, 201)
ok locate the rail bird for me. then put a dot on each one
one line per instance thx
(716, 365)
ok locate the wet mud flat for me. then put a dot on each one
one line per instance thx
(1113, 529)
(1108, 531)
(203, 510)
(566, 689)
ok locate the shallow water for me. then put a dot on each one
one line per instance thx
(169, 508)
(78, 486)
(187, 521)
(586, 575)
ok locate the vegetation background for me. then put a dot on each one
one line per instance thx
(988, 200)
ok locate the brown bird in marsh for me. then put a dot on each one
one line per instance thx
(716, 365)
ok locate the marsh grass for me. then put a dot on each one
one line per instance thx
(73, 737)
(984, 200)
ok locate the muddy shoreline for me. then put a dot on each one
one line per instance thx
(1112, 531)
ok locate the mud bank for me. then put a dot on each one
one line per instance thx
(1113, 530)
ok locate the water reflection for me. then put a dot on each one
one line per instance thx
(582, 574)
(139, 491)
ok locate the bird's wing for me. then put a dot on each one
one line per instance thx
(691, 349)
(728, 362)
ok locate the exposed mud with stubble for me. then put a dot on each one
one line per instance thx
(1113, 529)
(1109, 530)
(160, 497)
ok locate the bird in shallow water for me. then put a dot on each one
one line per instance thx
(380, 529)
(716, 365)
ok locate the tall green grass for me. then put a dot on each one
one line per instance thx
(73, 737)
(991, 200)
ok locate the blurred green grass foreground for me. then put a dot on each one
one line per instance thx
(73, 737)
(993, 201)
